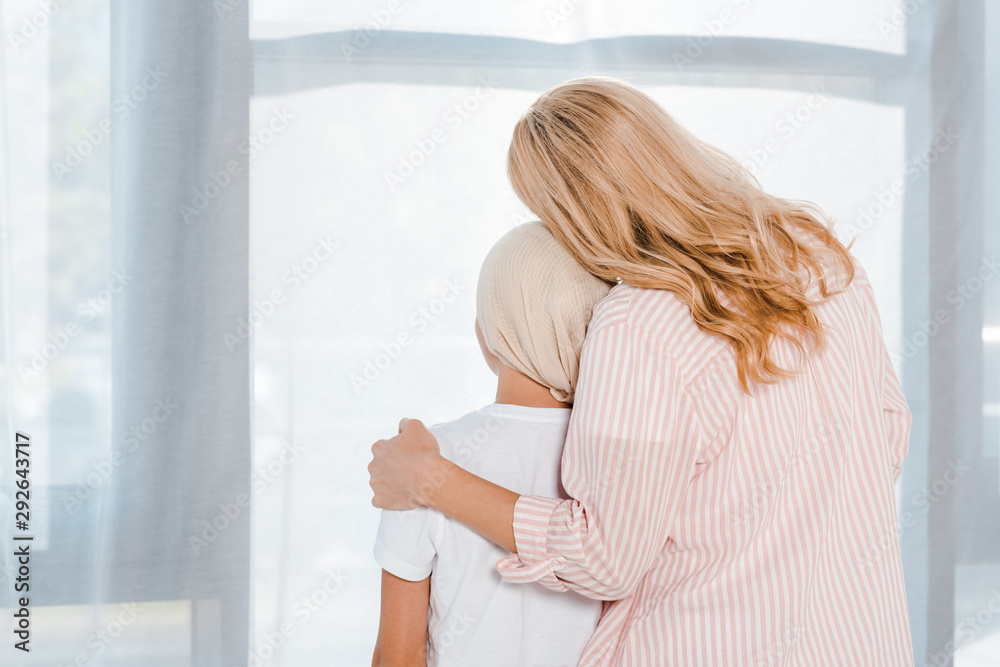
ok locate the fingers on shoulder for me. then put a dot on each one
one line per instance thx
(410, 423)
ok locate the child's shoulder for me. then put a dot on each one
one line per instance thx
(501, 434)
(454, 436)
(469, 422)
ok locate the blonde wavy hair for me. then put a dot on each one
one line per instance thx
(636, 197)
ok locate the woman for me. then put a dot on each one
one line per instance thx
(738, 428)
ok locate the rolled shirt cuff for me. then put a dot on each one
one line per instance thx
(532, 562)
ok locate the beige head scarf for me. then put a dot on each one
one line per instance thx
(533, 304)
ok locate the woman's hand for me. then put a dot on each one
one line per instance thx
(408, 471)
(407, 468)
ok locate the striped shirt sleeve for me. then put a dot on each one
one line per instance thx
(630, 453)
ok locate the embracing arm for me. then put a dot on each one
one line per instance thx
(478, 504)
(629, 455)
(408, 471)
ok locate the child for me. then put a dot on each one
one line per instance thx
(443, 601)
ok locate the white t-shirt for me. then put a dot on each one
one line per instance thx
(477, 618)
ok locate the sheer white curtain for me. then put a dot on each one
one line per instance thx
(240, 241)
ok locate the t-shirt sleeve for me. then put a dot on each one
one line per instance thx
(404, 545)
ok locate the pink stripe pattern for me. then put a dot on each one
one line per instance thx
(722, 528)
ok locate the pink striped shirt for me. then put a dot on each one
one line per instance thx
(725, 529)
